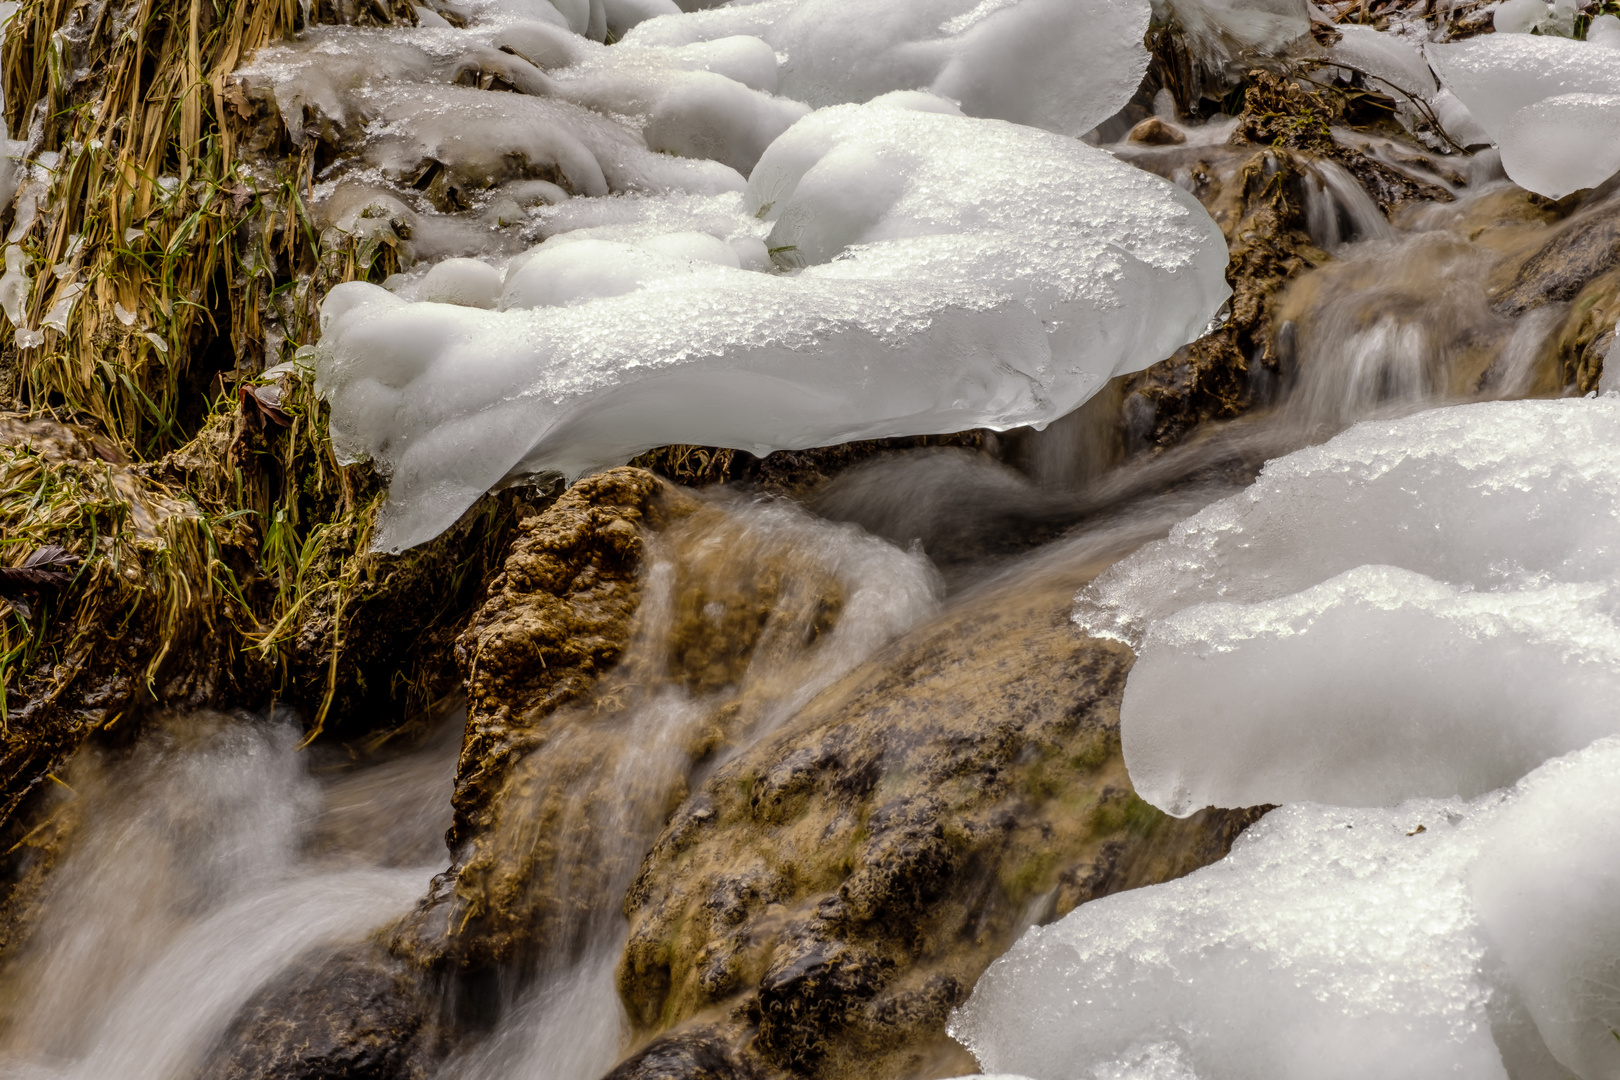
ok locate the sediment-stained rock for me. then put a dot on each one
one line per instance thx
(823, 901)
(557, 617)
(347, 1014)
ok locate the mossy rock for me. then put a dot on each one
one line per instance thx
(829, 895)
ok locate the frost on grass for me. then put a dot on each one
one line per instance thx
(1437, 938)
(951, 273)
(1417, 607)
(1549, 102)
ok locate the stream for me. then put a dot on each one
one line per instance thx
(1381, 597)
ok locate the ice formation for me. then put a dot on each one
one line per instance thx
(1563, 144)
(1055, 64)
(589, 274)
(1385, 57)
(1219, 30)
(1605, 31)
(1549, 102)
(1418, 607)
(1545, 897)
(1524, 16)
(1341, 943)
(955, 272)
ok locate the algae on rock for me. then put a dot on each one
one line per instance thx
(821, 903)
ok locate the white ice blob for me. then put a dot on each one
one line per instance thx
(1418, 607)
(1221, 29)
(1518, 16)
(1496, 75)
(1385, 57)
(569, 273)
(957, 273)
(1377, 685)
(468, 282)
(1605, 31)
(1063, 65)
(1563, 144)
(1330, 944)
(1546, 100)
(1546, 896)
(1438, 938)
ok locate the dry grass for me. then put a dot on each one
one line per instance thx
(142, 209)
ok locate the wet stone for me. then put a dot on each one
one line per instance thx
(833, 892)
(1155, 132)
(352, 1014)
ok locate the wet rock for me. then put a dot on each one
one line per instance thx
(1589, 246)
(1155, 132)
(792, 472)
(352, 1014)
(1255, 196)
(702, 1053)
(556, 618)
(825, 899)
(1280, 112)
(1588, 332)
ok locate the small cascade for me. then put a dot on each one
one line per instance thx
(210, 858)
(748, 610)
(1338, 209)
(1415, 315)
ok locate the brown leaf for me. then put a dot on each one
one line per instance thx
(47, 568)
(266, 402)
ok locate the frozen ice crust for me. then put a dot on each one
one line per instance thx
(950, 273)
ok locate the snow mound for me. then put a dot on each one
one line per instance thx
(1062, 65)
(1547, 101)
(1338, 943)
(955, 273)
(1545, 897)
(1563, 144)
(1417, 607)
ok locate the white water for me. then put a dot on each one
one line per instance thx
(210, 859)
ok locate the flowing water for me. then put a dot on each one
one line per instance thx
(215, 852)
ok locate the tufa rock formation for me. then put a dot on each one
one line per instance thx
(821, 903)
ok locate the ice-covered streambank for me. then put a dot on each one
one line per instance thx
(1423, 606)
(1438, 938)
(892, 268)
(1378, 631)
(956, 272)
(1551, 104)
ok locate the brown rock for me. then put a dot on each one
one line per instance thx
(837, 889)
(1588, 246)
(1155, 132)
(558, 615)
(1254, 195)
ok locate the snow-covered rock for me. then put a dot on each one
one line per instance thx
(956, 273)
(1418, 607)
(1437, 938)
